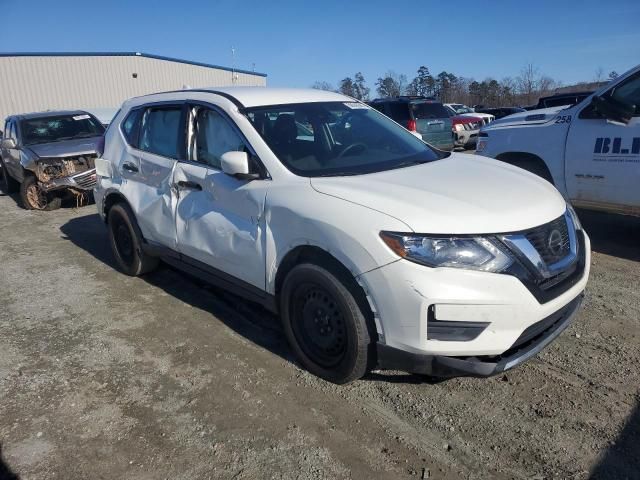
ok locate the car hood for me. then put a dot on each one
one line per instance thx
(476, 114)
(461, 194)
(65, 148)
(530, 117)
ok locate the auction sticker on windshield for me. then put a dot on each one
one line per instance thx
(81, 117)
(356, 105)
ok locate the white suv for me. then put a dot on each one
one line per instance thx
(377, 250)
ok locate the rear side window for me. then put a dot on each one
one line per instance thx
(379, 106)
(399, 111)
(427, 111)
(160, 131)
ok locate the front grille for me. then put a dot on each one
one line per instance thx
(86, 180)
(551, 240)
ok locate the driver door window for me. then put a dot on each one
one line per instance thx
(214, 136)
(629, 93)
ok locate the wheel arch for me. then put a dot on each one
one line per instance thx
(110, 199)
(323, 258)
(528, 161)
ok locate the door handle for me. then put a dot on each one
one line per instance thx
(130, 167)
(188, 185)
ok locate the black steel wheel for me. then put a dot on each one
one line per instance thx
(126, 242)
(326, 323)
(318, 324)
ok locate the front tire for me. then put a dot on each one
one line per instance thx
(33, 197)
(325, 324)
(126, 244)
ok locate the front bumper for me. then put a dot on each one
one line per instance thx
(530, 342)
(434, 319)
(80, 181)
(466, 138)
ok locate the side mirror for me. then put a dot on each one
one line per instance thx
(236, 164)
(613, 109)
(8, 143)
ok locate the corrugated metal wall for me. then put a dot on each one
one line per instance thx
(36, 83)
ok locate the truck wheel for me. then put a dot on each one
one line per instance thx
(34, 198)
(126, 243)
(324, 324)
(8, 184)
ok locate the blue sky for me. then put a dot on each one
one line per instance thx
(298, 42)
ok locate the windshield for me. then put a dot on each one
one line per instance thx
(59, 128)
(459, 108)
(337, 138)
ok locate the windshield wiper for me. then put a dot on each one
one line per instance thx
(339, 174)
(79, 135)
(411, 163)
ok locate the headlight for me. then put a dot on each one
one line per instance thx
(458, 127)
(473, 253)
(574, 217)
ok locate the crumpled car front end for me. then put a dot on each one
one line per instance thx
(75, 172)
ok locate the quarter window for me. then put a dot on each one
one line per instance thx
(214, 135)
(131, 127)
(160, 131)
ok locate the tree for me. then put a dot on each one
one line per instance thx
(444, 84)
(346, 87)
(598, 75)
(613, 75)
(422, 84)
(360, 89)
(391, 85)
(323, 86)
(527, 82)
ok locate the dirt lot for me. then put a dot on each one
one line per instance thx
(106, 376)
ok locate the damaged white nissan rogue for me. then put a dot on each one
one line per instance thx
(377, 250)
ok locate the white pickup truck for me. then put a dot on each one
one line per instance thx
(589, 151)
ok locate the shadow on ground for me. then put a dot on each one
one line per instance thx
(615, 235)
(5, 472)
(622, 458)
(245, 318)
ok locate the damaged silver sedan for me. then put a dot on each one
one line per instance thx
(46, 156)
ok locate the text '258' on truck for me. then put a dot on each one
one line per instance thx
(47, 155)
(589, 151)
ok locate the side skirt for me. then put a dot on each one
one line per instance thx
(212, 276)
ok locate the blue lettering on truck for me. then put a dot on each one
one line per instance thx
(614, 145)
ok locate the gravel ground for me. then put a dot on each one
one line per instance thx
(106, 376)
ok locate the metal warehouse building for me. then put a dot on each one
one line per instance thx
(102, 81)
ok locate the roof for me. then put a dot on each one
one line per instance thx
(404, 98)
(257, 96)
(127, 54)
(47, 113)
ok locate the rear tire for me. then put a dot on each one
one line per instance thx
(8, 184)
(325, 325)
(126, 243)
(33, 197)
